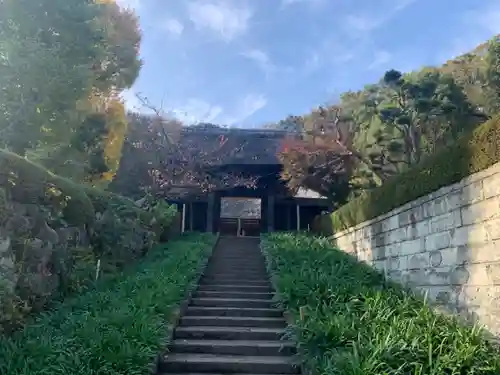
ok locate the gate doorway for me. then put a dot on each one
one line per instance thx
(240, 216)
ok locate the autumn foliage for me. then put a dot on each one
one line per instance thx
(170, 160)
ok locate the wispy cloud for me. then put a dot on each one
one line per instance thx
(485, 17)
(481, 23)
(173, 26)
(131, 101)
(329, 51)
(227, 19)
(132, 4)
(261, 58)
(248, 106)
(196, 110)
(360, 24)
(312, 3)
(380, 59)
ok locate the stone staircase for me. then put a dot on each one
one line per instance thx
(230, 325)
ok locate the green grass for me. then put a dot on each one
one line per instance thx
(116, 329)
(356, 323)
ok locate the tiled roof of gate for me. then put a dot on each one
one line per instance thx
(260, 146)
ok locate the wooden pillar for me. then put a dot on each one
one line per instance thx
(210, 212)
(191, 216)
(298, 217)
(288, 211)
(183, 222)
(270, 213)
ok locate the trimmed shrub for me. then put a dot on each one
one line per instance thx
(472, 153)
(119, 327)
(350, 321)
(30, 183)
(53, 232)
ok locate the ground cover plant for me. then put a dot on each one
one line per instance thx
(119, 327)
(355, 323)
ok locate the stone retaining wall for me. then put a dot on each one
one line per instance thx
(446, 244)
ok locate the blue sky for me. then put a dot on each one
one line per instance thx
(251, 62)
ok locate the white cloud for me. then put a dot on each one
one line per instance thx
(362, 24)
(223, 18)
(132, 4)
(313, 3)
(329, 51)
(481, 24)
(131, 101)
(196, 110)
(248, 106)
(173, 27)
(261, 59)
(381, 58)
(485, 18)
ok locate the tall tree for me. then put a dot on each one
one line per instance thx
(48, 49)
(493, 75)
(428, 110)
(63, 65)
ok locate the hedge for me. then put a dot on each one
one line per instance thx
(349, 320)
(472, 153)
(117, 328)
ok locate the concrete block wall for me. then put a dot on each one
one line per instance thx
(445, 244)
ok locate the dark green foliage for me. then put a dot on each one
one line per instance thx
(27, 182)
(356, 323)
(117, 328)
(493, 75)
(472, 153)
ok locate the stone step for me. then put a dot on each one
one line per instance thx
(232, 294)
(238, 263)
(228, 364)
(234, 311)
(232, 302)
(235, 256)
(232, 321)
(231, 325)
(235, 347)
(242, 264)
(207, 373)
(229, 276)
(229, 333)
(230, 270)
(233, 281)
(235, 288)
(226, 272)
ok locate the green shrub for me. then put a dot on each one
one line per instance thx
(116, 329)
(27, 182)
(71, 215)
(472, 153)
(356, 323)
(124, 232)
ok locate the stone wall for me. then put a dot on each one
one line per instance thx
(445, 244)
